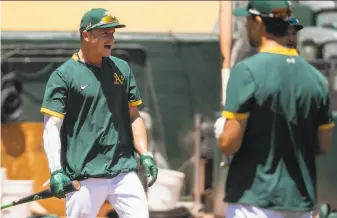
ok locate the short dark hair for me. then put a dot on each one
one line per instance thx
(81, 37)
(276, 26)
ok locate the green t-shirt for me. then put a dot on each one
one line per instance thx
(286, 101)
(96, 134)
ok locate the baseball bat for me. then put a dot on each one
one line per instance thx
(68, 187)
(225, 34)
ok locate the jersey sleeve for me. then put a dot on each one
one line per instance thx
(325, 119)
(133, 91)
(239, 93)
(55, 96)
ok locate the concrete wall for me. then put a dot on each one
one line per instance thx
(150, 16)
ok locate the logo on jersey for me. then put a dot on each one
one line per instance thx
(118, 79)
(291, 60)
(84, 86)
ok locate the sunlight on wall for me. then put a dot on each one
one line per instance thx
(149, 16)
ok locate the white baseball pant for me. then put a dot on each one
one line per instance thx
(247, 211)
(125, 193)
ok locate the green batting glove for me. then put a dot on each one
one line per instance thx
(57, 181)
(150, 167)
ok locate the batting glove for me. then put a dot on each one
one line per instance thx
(146, 159)
(57, 181)
(218, 126)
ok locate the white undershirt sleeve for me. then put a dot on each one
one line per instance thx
(52, 141)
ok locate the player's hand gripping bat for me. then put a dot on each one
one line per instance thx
(69, 187)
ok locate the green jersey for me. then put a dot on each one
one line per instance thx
(286, 102)
(96, 134)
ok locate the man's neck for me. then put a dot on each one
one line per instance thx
(275, 46)
(85, 56)
(271, 42)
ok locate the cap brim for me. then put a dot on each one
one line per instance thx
(241, 12)
(110, 25)
(298, 27)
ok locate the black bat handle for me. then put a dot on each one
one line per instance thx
(68, 187)
(72, 186)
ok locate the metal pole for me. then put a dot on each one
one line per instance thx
(197, 159)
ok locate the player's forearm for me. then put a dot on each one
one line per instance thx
(228, 145)
(139, 135)
(231, 137)
(325, 141)
(52, 142)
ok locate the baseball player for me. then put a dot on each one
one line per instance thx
(276, 119)
(291, 36)
(93, 127)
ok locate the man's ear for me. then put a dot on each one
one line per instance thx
(259, 22)
(258, 19)
(259, 25)
(85, 36)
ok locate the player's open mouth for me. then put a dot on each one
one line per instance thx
(107, 46)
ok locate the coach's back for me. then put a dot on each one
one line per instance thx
(287, 100)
